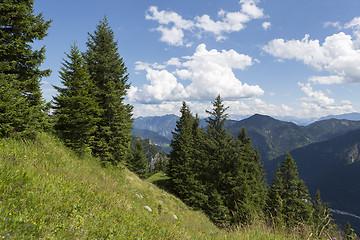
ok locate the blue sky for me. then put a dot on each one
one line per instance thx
(275, 57)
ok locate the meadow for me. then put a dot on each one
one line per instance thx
(48, 192)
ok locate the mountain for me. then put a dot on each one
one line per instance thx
(333, 166)
(271, 136)
(162, 125)
(156, 138)
(349, 116)
(274, 138)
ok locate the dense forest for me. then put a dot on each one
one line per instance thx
(208, 168)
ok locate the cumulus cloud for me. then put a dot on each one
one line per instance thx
(163, 87)
(266, 25)
(338, 56)
(173, 26)
(355, 25)
(334, 79)
(317, 97)
(209, 73)
(317, 104)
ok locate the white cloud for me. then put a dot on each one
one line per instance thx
(174, 62)
(317, 104)
(334, 79)
(166, 18)
(141, 66)
(317, 97)
(355, 25)
(249, 7)
(338, 55)
(163, 87)
(332, 24)
(209, 73)
(266, 25)
(173, 26)
(173, 36)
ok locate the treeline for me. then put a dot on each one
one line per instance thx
(224, 177)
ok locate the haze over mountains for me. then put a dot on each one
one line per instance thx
(327, 152)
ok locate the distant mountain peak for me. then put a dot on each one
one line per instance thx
(355, 116)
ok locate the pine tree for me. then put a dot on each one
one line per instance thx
(75, 109)
(138, 162)
(22, 108)
(109, 75)
(288, 197)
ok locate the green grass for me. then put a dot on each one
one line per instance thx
(48, 192)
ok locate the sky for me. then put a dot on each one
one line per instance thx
(285, 58)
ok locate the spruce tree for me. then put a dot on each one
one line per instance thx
(75, 109)
(138, 162)
(220, 152)
(181, 156)
(109, 75)
(22, 108)
(247, 192)
(288, 197)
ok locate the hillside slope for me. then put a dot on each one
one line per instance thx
(332, 166)
(274, 138)
(49, 192)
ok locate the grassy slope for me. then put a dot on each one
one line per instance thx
(46, 191)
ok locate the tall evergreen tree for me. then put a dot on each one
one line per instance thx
(22, 108)
(109, 75)
(137, 162)
(181, 162)
(75, 109)
(288, 197)
(247, 193)
(220, 152)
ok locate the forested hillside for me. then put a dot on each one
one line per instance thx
(65, 164)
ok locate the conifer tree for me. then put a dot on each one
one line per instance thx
(75, 109)
(247, 193)
(288, 197)
(219, 153)
(22, 108)
(181, 156)
(138, 162)
(109, 75)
